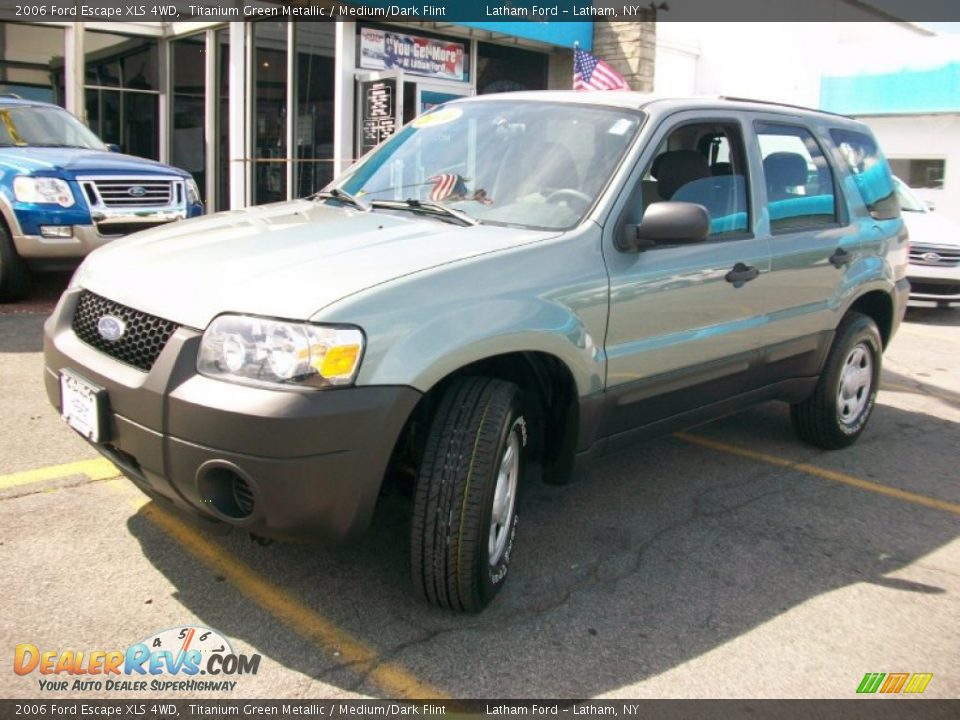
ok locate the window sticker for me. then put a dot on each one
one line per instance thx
(620, 127)
(439, 117)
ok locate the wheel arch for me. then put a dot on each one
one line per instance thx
(879, 306)
(551, 406)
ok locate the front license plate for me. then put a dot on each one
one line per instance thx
(82, 405)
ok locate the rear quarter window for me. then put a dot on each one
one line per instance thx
(870, 171)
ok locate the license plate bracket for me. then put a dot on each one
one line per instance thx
(83, 406)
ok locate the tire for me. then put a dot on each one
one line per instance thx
(835, 415)
(14, 274)
(459, 547)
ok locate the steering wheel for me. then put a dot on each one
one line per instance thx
(580, 199)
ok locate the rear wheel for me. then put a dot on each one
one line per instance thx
(14, 274)
(837, 412)
(464, 515)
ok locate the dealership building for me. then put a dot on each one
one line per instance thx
(266, 110)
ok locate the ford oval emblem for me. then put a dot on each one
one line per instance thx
(931, 258)
(137, 191)
(111, 328)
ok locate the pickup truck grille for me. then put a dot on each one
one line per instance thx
(945, 255)
(135, 192)
(143, 339)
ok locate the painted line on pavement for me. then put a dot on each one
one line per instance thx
(96, 469)
(393, 679)
(831, 475)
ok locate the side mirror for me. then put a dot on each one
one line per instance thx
(931, 206)
(668, 223)
(113, 147)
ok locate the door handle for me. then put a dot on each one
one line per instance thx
(840, 258)
(741, 274)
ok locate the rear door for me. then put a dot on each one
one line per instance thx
(682, 331)
(813, 243)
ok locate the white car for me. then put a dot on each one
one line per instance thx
(934, 270)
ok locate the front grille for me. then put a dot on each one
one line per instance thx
(134, 192)
(144, 335)
(926, 287)
(946, 256)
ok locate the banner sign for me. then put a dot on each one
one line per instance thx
(389, 50)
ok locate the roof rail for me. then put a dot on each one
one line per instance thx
(781, 104)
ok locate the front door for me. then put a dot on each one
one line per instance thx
(683, 318)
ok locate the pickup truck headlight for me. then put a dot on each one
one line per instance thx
(261, 351)
(193, 192)
(42, 190)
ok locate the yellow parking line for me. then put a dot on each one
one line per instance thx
(394, 680)
(97, 469)
(831, 475)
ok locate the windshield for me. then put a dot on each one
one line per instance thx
(531, 164)
(908, 201)
(35, 126)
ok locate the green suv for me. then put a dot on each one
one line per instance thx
(507, 288)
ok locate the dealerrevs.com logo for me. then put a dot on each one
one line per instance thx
(189, 659)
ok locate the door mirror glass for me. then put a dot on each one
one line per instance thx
(113, 147)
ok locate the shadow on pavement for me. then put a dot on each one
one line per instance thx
(667, 552)
(21, 333)
(943, 317)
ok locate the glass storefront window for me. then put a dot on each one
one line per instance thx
(313, 129)
(188, 88)
(269, 112)
(31, 61)
(122, 91)
(508, 69)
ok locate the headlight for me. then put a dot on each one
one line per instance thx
(259, 351)
(42, 190)
(193, 192)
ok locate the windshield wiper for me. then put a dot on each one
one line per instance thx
(344, 197)
(61, 145)
(427, 208)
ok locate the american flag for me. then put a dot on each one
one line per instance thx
(446, 185)
(590, 73)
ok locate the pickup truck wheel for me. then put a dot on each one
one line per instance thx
(835, 415)
(464, 514)
(14, 274)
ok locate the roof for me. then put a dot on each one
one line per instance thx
(660, 103)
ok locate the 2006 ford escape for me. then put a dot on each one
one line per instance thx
(509, 285)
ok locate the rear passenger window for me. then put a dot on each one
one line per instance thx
(702, 163)
(870, 171)
(798, 179)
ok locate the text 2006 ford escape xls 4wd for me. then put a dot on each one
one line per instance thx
(510, 283)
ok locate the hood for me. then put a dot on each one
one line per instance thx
(287, 260)
(931, 228)
(75, 161)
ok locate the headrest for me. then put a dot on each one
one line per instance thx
(785, 169)
(676, 168)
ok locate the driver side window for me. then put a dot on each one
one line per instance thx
(705, 164)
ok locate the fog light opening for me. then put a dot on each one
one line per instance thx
(228, 492)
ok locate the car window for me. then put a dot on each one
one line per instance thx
(798, 179)
(702, 163)
(534, 164)
(42, 126)
(870, 172)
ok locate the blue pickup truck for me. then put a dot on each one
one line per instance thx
(63, 193)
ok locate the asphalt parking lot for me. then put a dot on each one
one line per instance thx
(729, 561)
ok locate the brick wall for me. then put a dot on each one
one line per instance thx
(629, 47)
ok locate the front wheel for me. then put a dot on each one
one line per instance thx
(14, 274)
(464, 515)
(837, 412)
